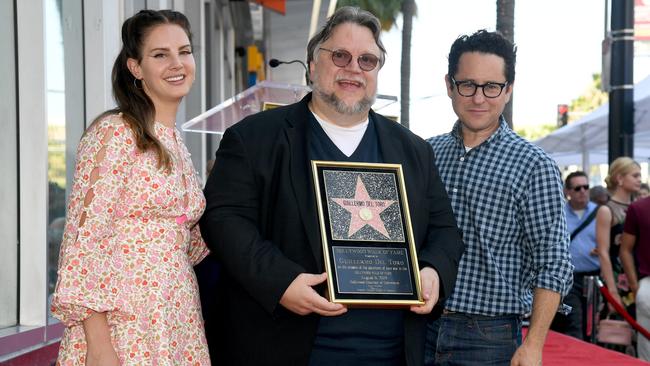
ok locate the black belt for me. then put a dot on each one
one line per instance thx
(590, 273)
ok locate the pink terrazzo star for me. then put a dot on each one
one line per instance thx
(364, 210)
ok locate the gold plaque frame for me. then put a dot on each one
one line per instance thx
(271, 105)
(370, 265)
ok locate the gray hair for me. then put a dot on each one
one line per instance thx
(347, 14)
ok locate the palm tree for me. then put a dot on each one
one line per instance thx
(387, 11)
(408, 11)
(506, 25)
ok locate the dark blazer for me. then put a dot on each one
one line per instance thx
(261, 223)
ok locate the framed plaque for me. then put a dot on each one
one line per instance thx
(366, 233)
(270, 105)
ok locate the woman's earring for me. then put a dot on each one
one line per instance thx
(135, 83)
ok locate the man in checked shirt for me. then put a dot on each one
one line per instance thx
(507, 198)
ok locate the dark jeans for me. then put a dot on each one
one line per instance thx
(467, 339)
(574, 323)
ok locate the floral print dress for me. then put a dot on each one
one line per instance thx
(129, 245)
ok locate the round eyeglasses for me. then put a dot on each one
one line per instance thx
(467, 88)
(342, 58)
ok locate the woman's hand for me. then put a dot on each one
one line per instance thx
(617, 298)
(101, 356)
(99, 351)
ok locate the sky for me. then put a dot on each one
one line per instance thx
(558, 50)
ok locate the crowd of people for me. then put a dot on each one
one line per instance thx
(609, 238)
(489, 220)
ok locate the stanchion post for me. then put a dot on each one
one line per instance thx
(591, 293)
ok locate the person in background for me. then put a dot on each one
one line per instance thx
(623, 181)
(644, 191)
(261, 219)
(126, 290)
(507, 197)
(635, 258)
(598, 195)
(581, 223)
(208, 167)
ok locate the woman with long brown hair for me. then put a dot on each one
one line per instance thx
(623, 181)
(126, 289)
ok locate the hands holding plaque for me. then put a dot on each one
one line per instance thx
(302, 299)
(430, 283)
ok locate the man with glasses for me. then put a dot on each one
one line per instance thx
(580, 216)
(507, 198)
(261, 220)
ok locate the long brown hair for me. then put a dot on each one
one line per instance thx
(136, 107)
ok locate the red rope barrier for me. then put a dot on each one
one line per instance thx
(621, 310)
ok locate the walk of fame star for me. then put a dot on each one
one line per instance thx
(364, 210)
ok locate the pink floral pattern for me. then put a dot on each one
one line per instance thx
(129, 245)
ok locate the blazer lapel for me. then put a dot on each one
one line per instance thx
(395, 151)
(301, 176)
(391, 148)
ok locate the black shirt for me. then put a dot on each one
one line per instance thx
(360, 336)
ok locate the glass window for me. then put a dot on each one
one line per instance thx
(56, 137)
(9, 176)
(65, 117)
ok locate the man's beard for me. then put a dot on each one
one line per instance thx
(340, 106)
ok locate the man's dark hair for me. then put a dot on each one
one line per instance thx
(579, 173)
(347, 14)
(484, 42)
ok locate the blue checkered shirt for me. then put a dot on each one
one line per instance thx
(507, 197)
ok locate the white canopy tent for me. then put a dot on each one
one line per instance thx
(585, 141)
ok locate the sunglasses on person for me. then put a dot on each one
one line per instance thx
(342, 58)
(579, 188)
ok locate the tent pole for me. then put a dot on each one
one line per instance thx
(585, 150)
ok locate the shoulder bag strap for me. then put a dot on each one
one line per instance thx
(584, 224)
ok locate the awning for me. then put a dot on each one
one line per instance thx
(275, 5)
